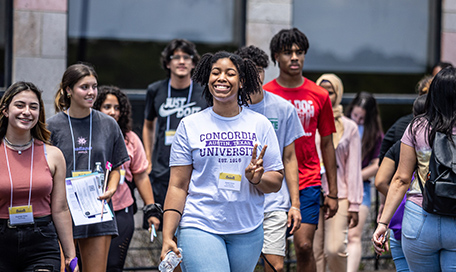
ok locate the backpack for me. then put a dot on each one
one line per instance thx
(439, 194)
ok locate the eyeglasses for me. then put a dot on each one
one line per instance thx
(179, 57)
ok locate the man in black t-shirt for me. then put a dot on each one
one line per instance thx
(167, 102)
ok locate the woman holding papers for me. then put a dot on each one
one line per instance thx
(87, 136)
(33, 206)
(112, 101)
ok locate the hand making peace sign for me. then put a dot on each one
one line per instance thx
(255, 170)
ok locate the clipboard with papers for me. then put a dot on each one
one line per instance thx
(82, 197)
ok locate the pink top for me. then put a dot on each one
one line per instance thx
(42, 180)
(419, 141)
(137, 164)
(348, 158)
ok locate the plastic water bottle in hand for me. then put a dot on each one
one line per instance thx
(170, 261)
(100, 171)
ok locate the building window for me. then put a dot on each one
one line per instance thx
(124, 39)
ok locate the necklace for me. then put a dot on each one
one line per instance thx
(14, 146)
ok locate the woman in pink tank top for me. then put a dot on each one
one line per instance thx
(34, 214)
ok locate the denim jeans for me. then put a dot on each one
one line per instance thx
(428, 240)
(398, 255)
(203, 251)
(366, 193)
(29, 248)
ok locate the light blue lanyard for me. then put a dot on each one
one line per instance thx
(72, 138)
(169, 96)
(31, 173)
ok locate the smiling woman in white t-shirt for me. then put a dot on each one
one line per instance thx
(223, 159)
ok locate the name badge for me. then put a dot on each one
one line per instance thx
(20, 215)
(229, 181)
(169, 136)
(80, 173)
(122, 176)
(322, 168)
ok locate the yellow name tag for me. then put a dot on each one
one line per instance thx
(169, 136)
(229, 181)
(80, 173)
(122, 176)
(21, 215)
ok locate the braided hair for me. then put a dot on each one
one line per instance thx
(246, 68)
(259, 57)
(285, 39)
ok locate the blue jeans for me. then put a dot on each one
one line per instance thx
(398, 255)
(428, 240)
(204, 251)
(366, 193)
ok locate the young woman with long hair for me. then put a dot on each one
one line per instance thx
(428, 239)
(34, 214)
(87, 136)
(364, 111)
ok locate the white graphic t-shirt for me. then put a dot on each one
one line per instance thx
(220, 199)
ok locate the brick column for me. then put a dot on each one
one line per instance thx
(40, 45)
(264, 19)
(448, 52)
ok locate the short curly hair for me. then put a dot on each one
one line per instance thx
(256, 54)
(285, 39)
(248, 74)
(125, 120)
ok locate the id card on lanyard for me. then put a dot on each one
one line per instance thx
(20, 215)
(169, 133)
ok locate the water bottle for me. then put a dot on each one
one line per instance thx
(170, 261)
(100, 171)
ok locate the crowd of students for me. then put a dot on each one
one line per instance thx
(230, 167)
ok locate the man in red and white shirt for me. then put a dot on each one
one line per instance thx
(313, 105)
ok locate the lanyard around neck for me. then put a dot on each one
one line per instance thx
(72, 138)
(9, 172)
(169, 96)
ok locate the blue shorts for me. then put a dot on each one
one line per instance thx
(310, 204)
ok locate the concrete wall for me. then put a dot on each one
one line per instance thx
(449, 31)
(264, 19)
(40, 45)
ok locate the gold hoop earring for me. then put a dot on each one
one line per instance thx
(68, 95)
